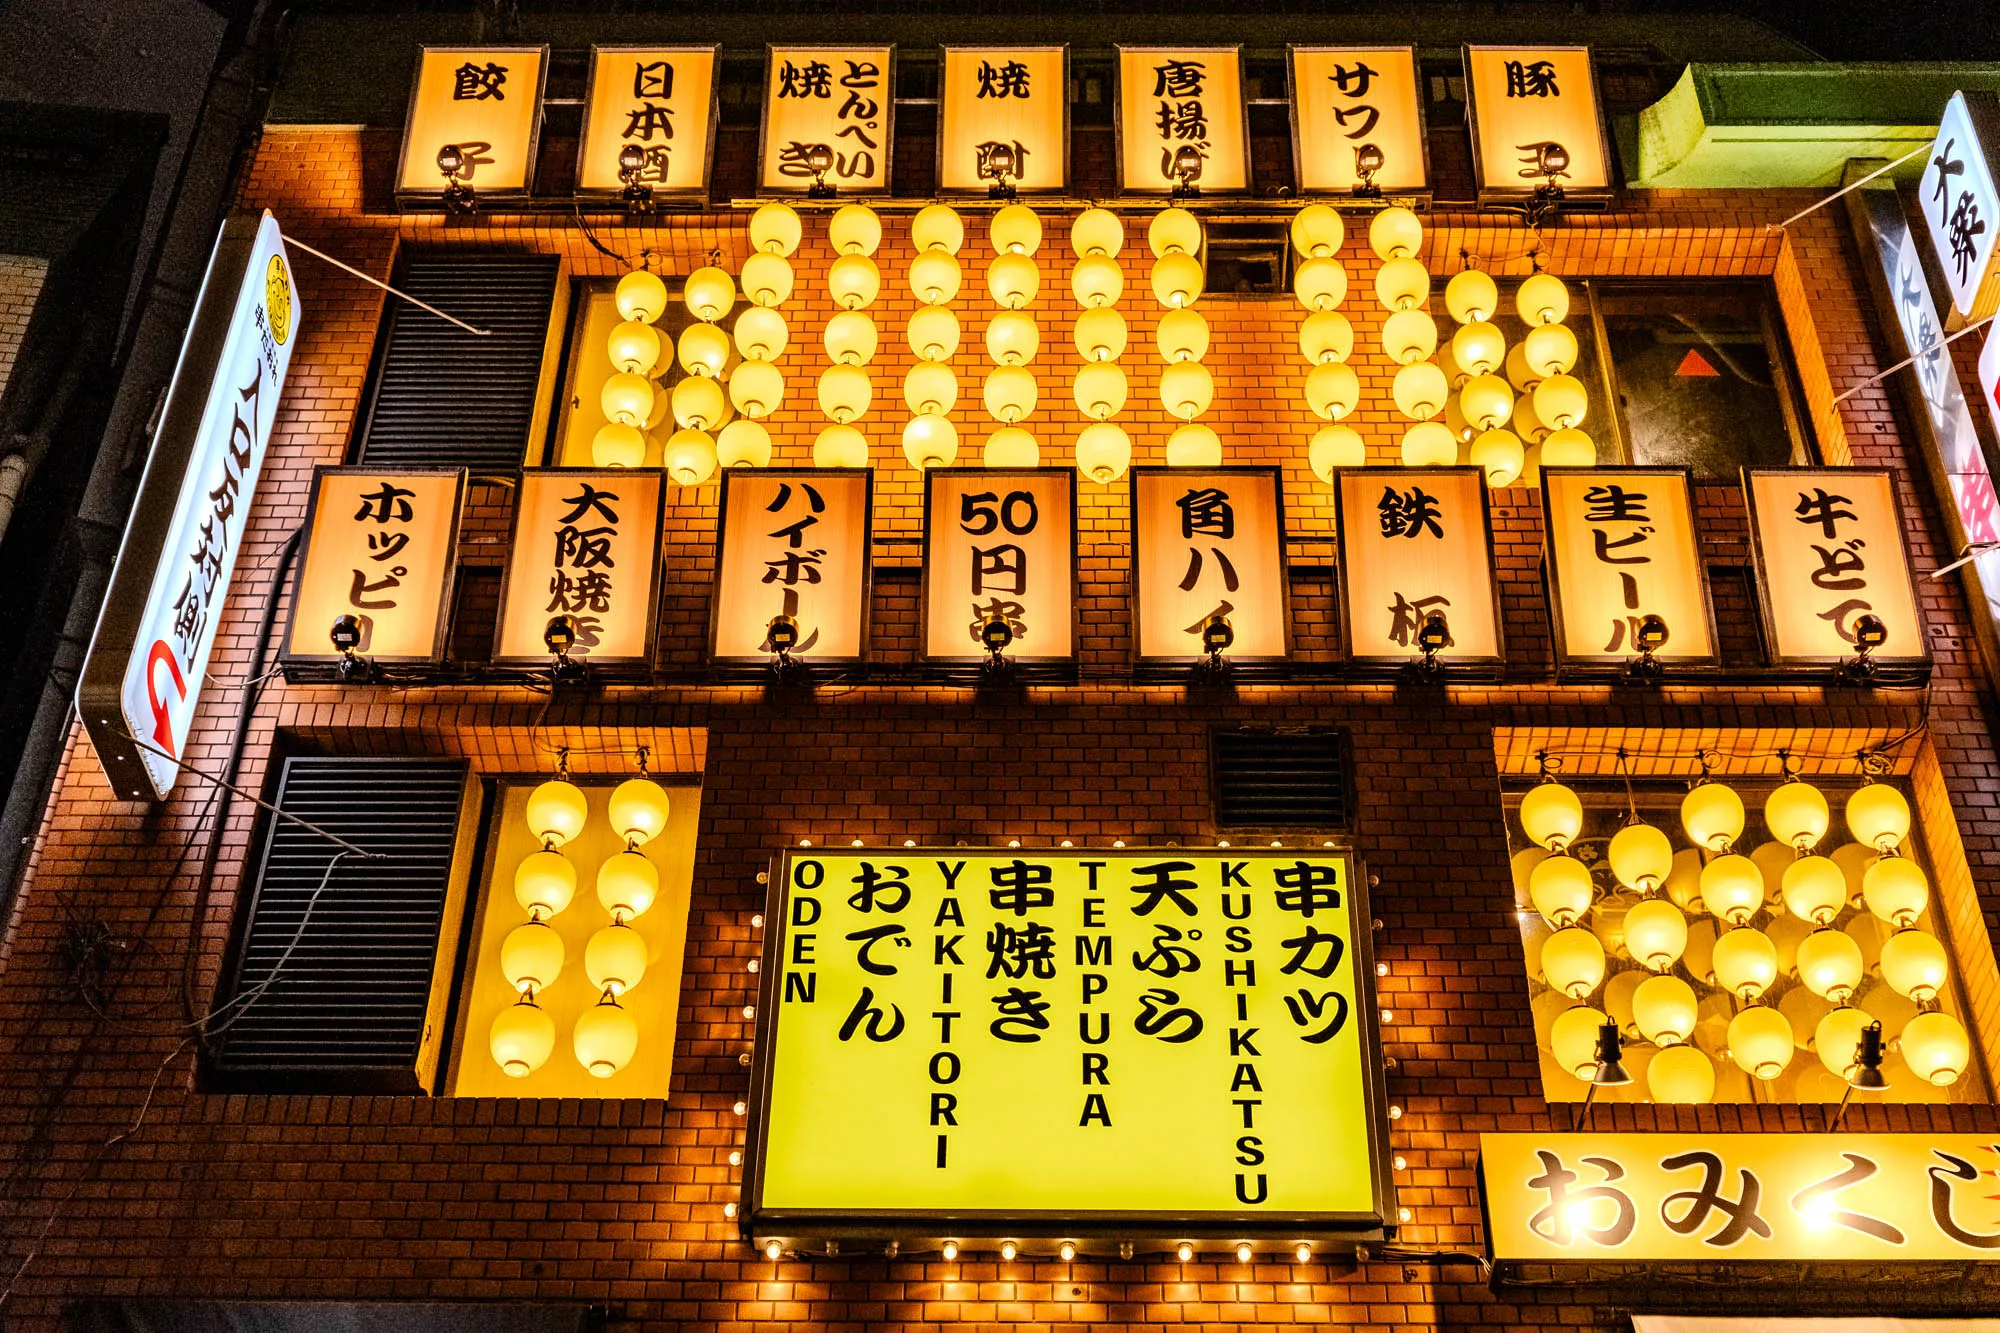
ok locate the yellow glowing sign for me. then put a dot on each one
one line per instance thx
(1014, 98)
(1620, 548)
(837, 98)
(1535, 119)
(999, 545)
(1208, 544)
(1829, 545)
(1414, 544)
(658, 102)
(1347, 98)
(586, 545)
(1175, 98)
(487, 103)
(1001, 1034)
(380, 551)
(1603, 1198)
(794, 542)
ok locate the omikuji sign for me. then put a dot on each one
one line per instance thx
(1077, 1037)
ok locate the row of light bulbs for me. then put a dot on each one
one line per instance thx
(1067, 1250)
(532, 955)
(1742, 961)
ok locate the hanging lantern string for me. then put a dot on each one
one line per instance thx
(1710, 757)
(642, 759)
(562, 762)
(1625, 771)
(1924, 147)
(298, 244)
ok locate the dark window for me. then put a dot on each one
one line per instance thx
(1291, 779)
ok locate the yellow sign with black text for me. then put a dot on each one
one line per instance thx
(1011, 1035)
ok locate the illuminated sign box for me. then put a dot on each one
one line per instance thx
(1016, 97)
(1000, 545)
(658, 101)
(1619, 546)
(1536, 120)
(980, 1043)
(1413, 543)
(1209, 544)
(1171, 98)
(485, 102)
(792, 542)
(1961, 203)
(840, 98)
(1349, 98)
(586, 544)
(380, 549)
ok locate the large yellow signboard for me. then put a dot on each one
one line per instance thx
(1067, 1038)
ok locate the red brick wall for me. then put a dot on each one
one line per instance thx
(621, 1203)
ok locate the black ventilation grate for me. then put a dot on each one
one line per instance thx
(1283, 780)
(445, 397)
(354, 994)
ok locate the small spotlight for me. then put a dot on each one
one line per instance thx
(1870, 633)
(1008, 1250)
(1184, 1251)
(1610, 1071)
(638, 197)
(1433, 637)
(1649, 636)
(1186, 170)
(1367, 161)
(729, 1210)
(559, 636)
(772, 1249)
(998, 165)
(819, 161)
(1217, 634)
(349, 632)
(741, 1108)
(1868, 1075)
(1552, 160)
(1243, 1252)
(1545, 205)
(1395, 1113)
(1404, 1214)
(1303, 1253)
(998, 636)
(736, 1159)
(1402, 1164)
(950, 1251)
(460, 199)
(1066, 1251)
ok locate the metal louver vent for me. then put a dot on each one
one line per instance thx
(351, 999)
(445, 397)
(1283, 780)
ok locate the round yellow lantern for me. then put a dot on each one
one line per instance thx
(1419, 390)
(1177, 280)
(1814, 889)
(933, 334)
(930, 388)
(1010, 393)
(1499, 452)
(1015, 230)
(698, 403)
(1542, 299)
(1099, 389)
(775, 230)
(1935, 1047)
(844, 392)
(638, 810)
(1914, 964)
(1760, 1042)
(626, 399)
(1103, 451)
(1665, 1008)
(1317, 230)
(1641, 856)
(1013, 280)
(1829, 964)
(840, 446)
(1478, 349)
(1173, 231)
(1326, 336)
(1573, 1039)
(634, 346)
(1796, 814)
(1010, 446)
(1681, 1076)
(1525, 423)
(1096, 281)
(1471, 296)
(556, 812)
(937, 229)
(1519, 374)
(1186, 389)
(1096, 231)
(544, 883)
(1486, 401)
(1895, 889)
(854, 230)
(1194, 445)
(522, 1039)
(1568, 447)
(756, 388)
(1409, 335)
(1428, 444)
(1402, 284)
(1561, 401)
(1181, 335)
(1395, 233)
(606, 1038)
(1332, 390)
(615, 958)
(689, 457)
(1321, 284)
(1837, 1040)
(1711, 813)
(1012, 338)
(930, 440)
(627, 884)
(1560, 887)
(743, 443)
(641, 296)
(1745, 962)
(767, 280)
(1551, 815)
(616, 444)
(1100, 335)
(1733, 887)
(853, 281)
(1551, 349)
(1335, 447)
(709, 293)
(761, 334)
(1879, 816)
(531, 956)
(1655, 933)
(935, 277)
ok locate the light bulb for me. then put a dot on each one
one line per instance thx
(930, 387)
(1096, 281)
(1012, 338)
(1103, 451)
(933, 333)
(1829, 963)
(1100, 335)
(853, 281)
(1320, 284)
(1176, 280)
(1665, 1008)
(935, 277)
(1542, 299)
(1096, 231)
(1500, 454)
(1395, 233)
(850, 338)
(1895, 889)
(617, 445)
(1568, 447)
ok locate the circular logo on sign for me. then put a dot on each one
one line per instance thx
(278, 299)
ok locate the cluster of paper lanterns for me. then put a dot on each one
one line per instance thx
(930, 389)
(1326, 339)
(1695, 918)
(1518, 409)
(853, 282)
(532, 956)
(630, 398)
(1181, 335)
(756, 386)
(1010, 392)
(1103, 449)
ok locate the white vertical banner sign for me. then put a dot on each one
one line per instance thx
(149, 657)
(1961, 202)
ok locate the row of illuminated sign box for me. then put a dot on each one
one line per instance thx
(1626, 582)
(828, 120)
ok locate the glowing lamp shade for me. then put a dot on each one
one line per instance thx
(1420, 390)
(556, 812)
(853, 281)
(698, 403)
(1317, 230)
(1733, 888)
(937, 229)
(1814, 889)
(1878, 816)
(1561, 401)
(1010, 446)
(1016, 230)
(930, 387)
(1711, 813)
(1526, 424)
(756, 388)
(767, 280)
(1186, 389)
(626, 398)
(1181, 335)
(1796, 813)
(1665, 1010)
(634, 346)
(1551, 815)
(1745, 962)
(840, 446)
(1837, 1039)
(627, 884)
(1761, 1042)
(1478, 348)
(1013, 280)
(1681, 1076)
(1402, 284)
(1428, 444)
(1551, 349)
(775, 230)
(1103, 452)
(615, 958)
(1177, 280)
(1935, 1047)
(1096, 231)
(844, 392)
(704, 350)
(1194, 445)
(1500, 454)
(1573, 1038)
(1099, 389)
(1895, 889)
(935, 277)
(709, 293)
(1914, 964)
(1641, 857)
(743, 443)
(1332, 390)
(1829, 963)
(522, 1038)
(1568, 447)
(641, 296)
(1395, 233)
(689, 457)
(1519, 375)
(638, 810)
(1173, 231)
(606, 1038)
(1471, 296)
(544, 882)
(1335, 447)
(1542, 299)
(1486, 400)
(933, 334)
(1010, 393)
(1409, 335)
(1561, 890)
(617, 445)
(1012, 338)
(531, 957)
(1100, 335)
(1326, 336)
(1096, 281)
(1655, 934)
(1321, 284)
(930, 440)
(854, 230)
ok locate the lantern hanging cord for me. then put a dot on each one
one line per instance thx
(600, 246)
(261, 804)
(298, 244)
(1631, 800)
(1780, 226)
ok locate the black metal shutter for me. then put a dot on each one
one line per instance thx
(349, 1004)
(1292, 779)
(444, 397)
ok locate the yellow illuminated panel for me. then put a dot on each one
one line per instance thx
(1413, 543)
(795, 543)
(1089, 1034)
(1621, 547)
(841, 97)
(1208, 544)
(586, 544)
(1523, 98)
(1014, 95)
(380, 551)
(1346, 96)
(487, 102)
(1829, 551)
(999, 544)
(1170, 98)
(1740, 1197)
(654, 1003)
(659, 100)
